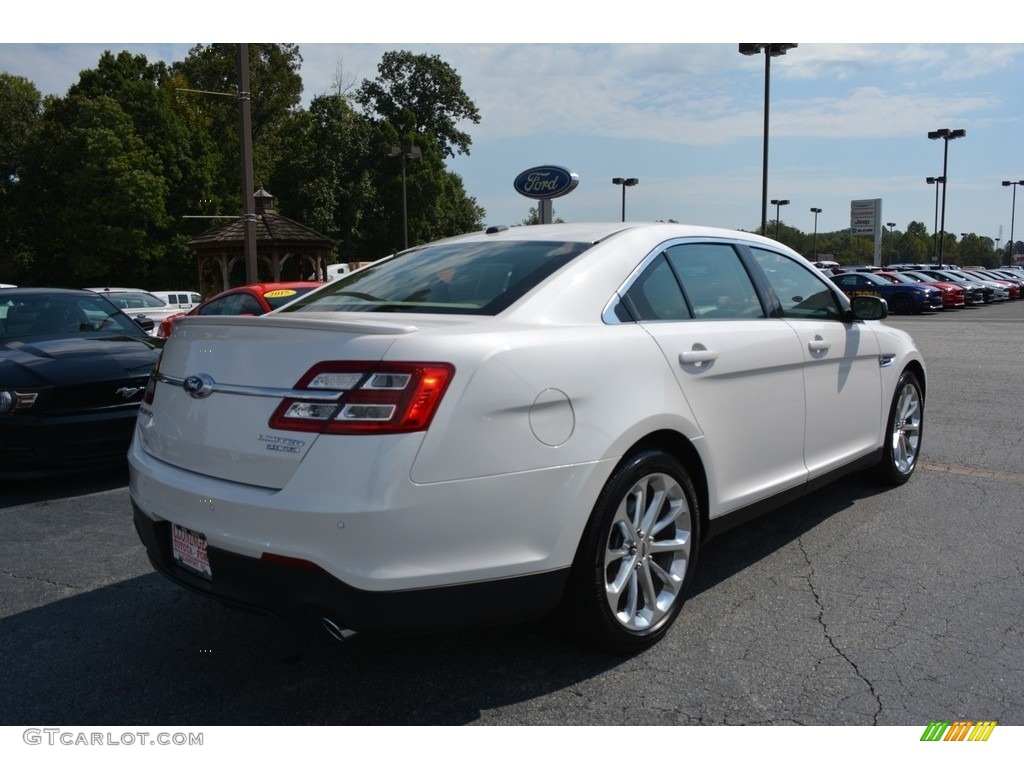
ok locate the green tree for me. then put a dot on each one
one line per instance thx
(533, 217)
(20, 114)
(163, 121)
(275, 89)
(324, 178)
(94, 196)
(420, 94)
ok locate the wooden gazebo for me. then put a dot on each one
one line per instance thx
(285, 250)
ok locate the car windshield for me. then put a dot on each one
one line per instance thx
(40, 314)
(475, 278)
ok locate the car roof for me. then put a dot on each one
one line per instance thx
(592, 232)
(43, 291)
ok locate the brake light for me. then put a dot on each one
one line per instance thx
(372, 398)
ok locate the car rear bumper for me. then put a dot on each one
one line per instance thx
(292, 591)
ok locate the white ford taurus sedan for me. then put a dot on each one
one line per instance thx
(513, 424)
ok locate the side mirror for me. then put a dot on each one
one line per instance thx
(145, 323)
(869, 308)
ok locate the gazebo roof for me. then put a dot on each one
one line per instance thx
(270, 227)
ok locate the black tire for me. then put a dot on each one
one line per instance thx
(904, 429)
(628, 584)
(902, 304)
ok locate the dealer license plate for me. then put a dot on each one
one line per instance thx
(189, 549)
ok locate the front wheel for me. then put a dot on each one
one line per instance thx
(902, 304)
(637, 556)
(903, 432)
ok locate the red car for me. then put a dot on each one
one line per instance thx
(952, 294)
(255, 299)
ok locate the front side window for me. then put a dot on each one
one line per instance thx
(802, 293)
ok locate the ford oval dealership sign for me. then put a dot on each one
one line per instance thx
(545, 182)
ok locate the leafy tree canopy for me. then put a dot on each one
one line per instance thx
(420, 94)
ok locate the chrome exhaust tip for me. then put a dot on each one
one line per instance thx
(335, 630)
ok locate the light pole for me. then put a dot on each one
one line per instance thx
(947, 136)
(936, 180)
(1013, 211)
(778, 204)
(413, 153)
(815, 211)
(770, 50)
(890, 225)
(244, 97)
(625, 183)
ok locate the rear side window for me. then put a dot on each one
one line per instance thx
(657, 295)
(475, 278)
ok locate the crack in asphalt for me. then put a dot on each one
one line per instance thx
(831, 641)
(12, 575)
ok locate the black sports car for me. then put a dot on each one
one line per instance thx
(73, 369)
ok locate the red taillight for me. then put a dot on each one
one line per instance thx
(372, 398)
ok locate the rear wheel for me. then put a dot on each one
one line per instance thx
(637, 556)
(903, 432)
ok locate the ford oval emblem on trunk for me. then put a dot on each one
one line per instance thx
(198, 386)
(546, 181)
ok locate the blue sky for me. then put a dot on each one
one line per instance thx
(612, 97)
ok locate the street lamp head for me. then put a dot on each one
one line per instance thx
(815, 210)
(1013, 183)
(936, 179)
(890, 224)
(412, 152)
(632, 182)
(948, 135)
(618, 180)
(772, 49)
(780, 202)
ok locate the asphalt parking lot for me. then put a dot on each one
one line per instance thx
(854, 606)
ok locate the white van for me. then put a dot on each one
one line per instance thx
(184, 300)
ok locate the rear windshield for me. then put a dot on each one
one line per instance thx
(128, 300)
(472, 278)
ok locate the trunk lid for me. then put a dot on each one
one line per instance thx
(238, 370)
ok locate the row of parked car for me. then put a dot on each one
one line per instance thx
(916, 288)
(74, 365)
